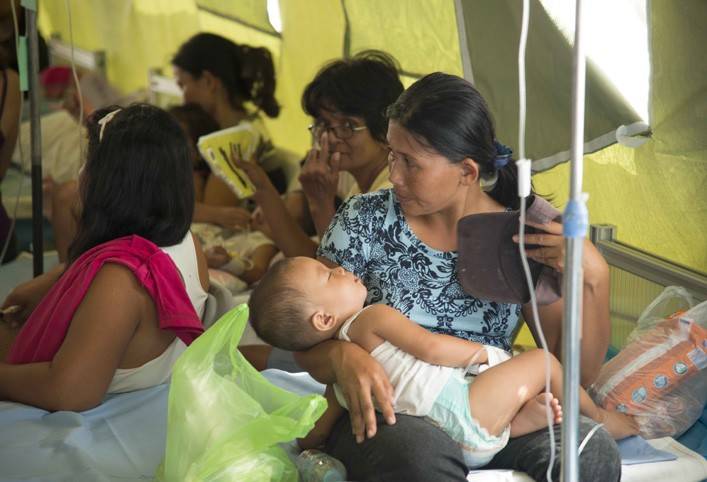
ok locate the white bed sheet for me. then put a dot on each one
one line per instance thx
(689, 467)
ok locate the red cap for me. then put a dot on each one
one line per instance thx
(55, 76)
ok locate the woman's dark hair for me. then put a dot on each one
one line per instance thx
(247, 73)
(137, 179)
(362, 86)
(278, 311)
(448, 114)
(198, 123)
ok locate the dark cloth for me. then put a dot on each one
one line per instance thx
(279, 179)
(599, 460)
(7, 235)
(3, 96)
(413, 450)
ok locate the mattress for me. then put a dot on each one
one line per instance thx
(688, 467)
(123, 440)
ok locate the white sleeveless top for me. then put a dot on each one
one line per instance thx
(158, 370)
(184, 256)
(417, 383)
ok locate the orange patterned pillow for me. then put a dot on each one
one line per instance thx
(649, 377)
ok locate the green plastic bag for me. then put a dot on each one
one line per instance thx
(225, 419)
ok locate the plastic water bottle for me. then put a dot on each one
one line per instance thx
(316, 466)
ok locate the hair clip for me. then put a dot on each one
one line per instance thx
(103, 122)
(503, 155)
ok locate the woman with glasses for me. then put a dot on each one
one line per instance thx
(347, 100)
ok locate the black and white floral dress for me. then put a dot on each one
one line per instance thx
(370, 237)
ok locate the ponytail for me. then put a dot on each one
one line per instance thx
(257, 75)
(247, 73)
(505, 191)
(503, 187)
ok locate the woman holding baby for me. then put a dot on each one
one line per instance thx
(402, 243)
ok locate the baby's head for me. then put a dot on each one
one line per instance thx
(300, 302)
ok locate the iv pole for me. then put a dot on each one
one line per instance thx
(575, 221)
(36, 138)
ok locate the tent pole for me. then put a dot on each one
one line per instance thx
(574, 230)
(36, 143)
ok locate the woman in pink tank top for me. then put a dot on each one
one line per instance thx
(121, 301)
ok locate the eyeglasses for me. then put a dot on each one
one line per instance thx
(342, 131)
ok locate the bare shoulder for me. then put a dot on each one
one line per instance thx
(378, 311)
(384, 313)
(374, 316)
(99, 335)
(379, 323)
(117, 284)
(109, 313)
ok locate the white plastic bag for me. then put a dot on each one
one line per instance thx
(671, 300)
(660, 377)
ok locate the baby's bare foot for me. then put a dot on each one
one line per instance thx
(533, 416)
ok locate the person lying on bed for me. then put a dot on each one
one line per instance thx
(301, 302)
(133, 291)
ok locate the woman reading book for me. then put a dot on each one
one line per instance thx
(223, 78)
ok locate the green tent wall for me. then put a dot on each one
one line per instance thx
(655, 193)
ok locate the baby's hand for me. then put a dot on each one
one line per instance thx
(217, 257)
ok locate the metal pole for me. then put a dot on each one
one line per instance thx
(36, 143)
(574, 230)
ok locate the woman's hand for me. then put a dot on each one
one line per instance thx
(320, 174)
(596, 326)
(255, 172)
(21, 301)
(362, 379)
(259, 223)
(552, 251)
(26, 296)
(552, 245)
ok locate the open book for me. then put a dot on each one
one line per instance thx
(216, 149)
